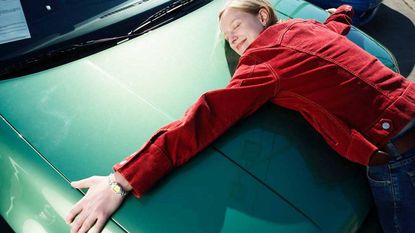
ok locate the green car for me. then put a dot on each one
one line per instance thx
(86, 83)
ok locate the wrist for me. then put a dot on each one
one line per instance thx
(116, 186)
(122, 181)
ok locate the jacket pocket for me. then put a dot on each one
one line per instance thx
(378, 175)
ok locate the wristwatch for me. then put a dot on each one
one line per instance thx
(116, 187)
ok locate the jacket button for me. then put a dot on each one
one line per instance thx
(386, 125)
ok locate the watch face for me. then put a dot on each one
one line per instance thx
(116, 188)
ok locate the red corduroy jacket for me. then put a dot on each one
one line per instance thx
(354, 101)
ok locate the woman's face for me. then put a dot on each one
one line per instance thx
(241, 28)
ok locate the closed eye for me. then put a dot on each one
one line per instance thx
(234, 27)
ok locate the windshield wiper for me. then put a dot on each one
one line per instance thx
(138, 31)
(75, 51)
(161, 13)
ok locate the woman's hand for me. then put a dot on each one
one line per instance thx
(99, 203)
(331, 10)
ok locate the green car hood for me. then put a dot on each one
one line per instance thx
(87, 115)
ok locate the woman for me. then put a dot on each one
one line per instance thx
(299, 64)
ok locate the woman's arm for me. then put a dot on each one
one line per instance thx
(212, 114)
(173, 145)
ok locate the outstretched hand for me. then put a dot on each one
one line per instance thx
(94, 209)
(331, 10)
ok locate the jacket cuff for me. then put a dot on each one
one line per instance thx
(144, 168)
(343, 10)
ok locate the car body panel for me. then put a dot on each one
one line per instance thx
(33, 187)
(82, 117)
(213, 195)
(276, 144)
(34, 196)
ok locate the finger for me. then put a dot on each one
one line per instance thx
(331, 10)
(99, 225)
(84, 183)
(89, 222)
(78, 222)
(74, 212)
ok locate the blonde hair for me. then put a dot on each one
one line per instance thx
(252, 7)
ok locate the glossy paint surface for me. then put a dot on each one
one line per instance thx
(34, 196)
(270, 173)
(279, 148)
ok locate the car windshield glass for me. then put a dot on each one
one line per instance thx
(31, 30)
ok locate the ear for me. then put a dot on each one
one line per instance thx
(263, 16)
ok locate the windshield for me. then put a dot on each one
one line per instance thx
(27, 26)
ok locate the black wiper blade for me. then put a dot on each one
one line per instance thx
(161, 13)
(138, 31)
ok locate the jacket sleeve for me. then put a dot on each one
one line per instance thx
(341, 20)
(209, 117)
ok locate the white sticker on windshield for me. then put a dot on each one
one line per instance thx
(13, 25)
